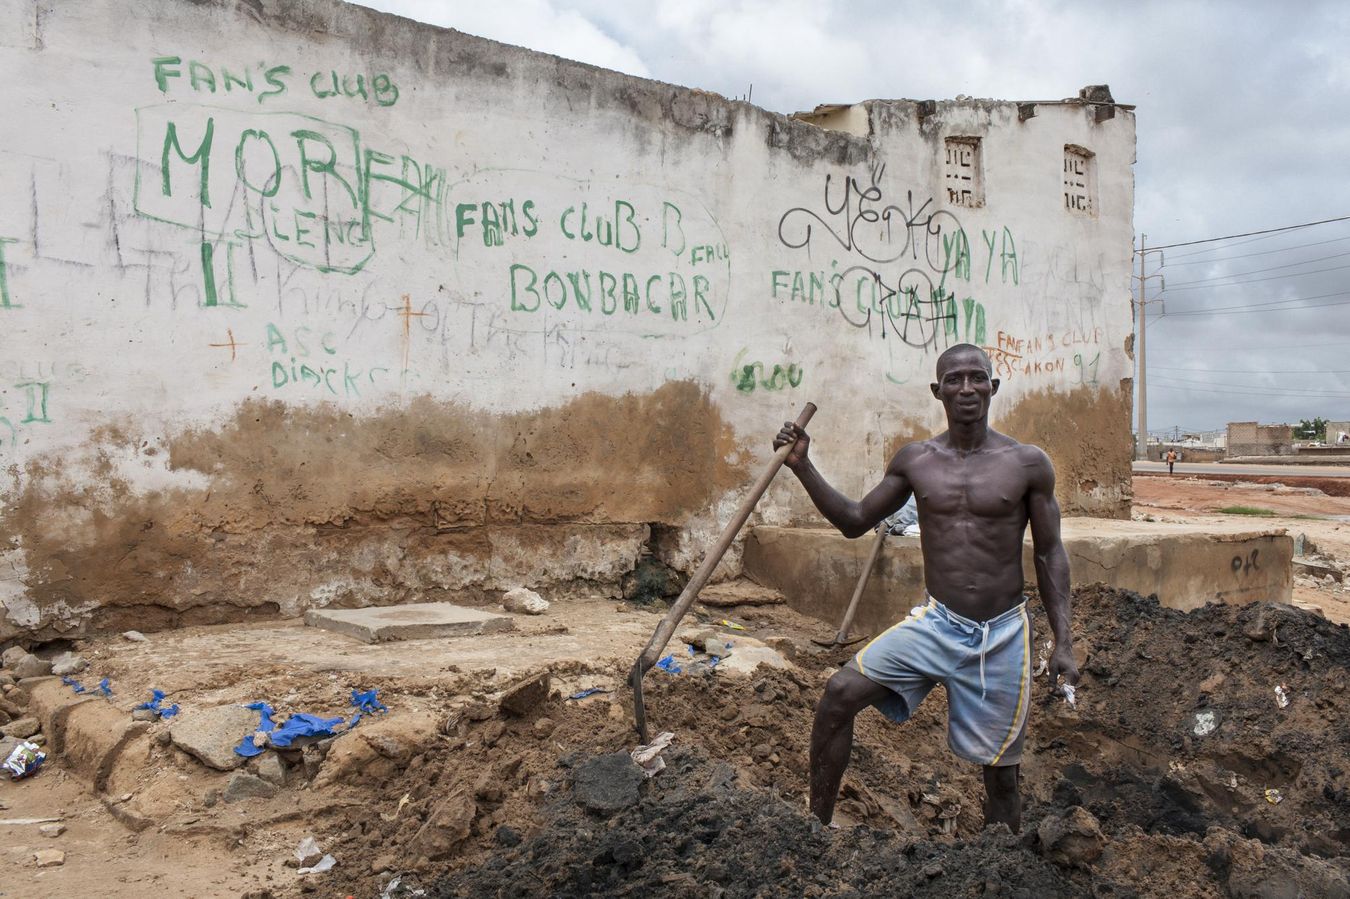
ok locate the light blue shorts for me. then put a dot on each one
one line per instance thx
(985, 667)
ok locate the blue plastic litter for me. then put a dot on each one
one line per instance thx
(73, 684)
(247, 748)
(582, 694)
(668, 664)
(104, 688)
(303, 725)
(366, 704)
(161, 711)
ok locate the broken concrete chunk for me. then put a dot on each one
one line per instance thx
(608, 783)
(134, 636)
(211, 734)
(49, 858)
(143, 715)
(1074, 840)
(68, 663)
(416, 621)
(446, 827)
(243, 785)
(32, 666)
(10, 657)
(22, 728)
(527, 695)
(524, 601)
(271, 769)
(52, 830)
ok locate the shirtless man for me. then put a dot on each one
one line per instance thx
(977, 491)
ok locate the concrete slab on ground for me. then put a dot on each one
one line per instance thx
(416, 621)
(1185, 565)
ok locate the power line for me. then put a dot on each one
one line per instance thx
(1250, 389)
(1254, 349)
(1257, 271)
(1316, 271)
(1255, 371)
(1270, 303)
(1299, 246)
(1191, 243)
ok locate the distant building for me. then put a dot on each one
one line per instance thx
(1338, 432)
(1248, 438)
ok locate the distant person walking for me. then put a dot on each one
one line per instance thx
(1171, 460)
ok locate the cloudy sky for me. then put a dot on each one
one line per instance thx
(1242, 126)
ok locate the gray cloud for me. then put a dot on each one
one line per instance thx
(1241, 127)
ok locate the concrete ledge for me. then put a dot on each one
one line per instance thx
(95, 732)
(417, 621)
(817, 570)
(51, 702)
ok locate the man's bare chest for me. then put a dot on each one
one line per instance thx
(988, 486)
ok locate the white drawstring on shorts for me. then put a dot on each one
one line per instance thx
(984, 645)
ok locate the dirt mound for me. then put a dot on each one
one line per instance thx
(1205, 781)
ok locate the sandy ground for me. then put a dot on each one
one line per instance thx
(1307, 510)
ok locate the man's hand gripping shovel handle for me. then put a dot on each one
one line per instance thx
(666, 628)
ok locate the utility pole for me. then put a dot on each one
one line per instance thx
(1140, 329)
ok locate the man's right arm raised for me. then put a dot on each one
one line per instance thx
(853, 519)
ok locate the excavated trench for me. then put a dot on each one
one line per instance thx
(1180, 773)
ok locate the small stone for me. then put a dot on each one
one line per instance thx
(10, 709)
(1074, 840)
(1258, 630)
(543, 727)
(761, 752)
(506, 837)
(7, 679)
(271, 769)
(243, 785)
(52, 830)
(134, 636)
(211, 798)
(524, 601)
(608, 783)
(22, 728)
(10, 657)
(383, 863)
(526, 695)
(143, 715)
(68, 663)
(32, 666)
(163, 738)
(932, 871)
(1212, 683)
(49, 858)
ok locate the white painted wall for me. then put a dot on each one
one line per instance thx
(124, 289)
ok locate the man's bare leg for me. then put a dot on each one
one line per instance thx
(846, 694)
(1003, 801)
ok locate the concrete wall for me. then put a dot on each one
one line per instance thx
(817, 570)
(1247, 438)
(309, 305)
(1188, 453)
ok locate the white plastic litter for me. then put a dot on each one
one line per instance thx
(1043, 660)
(648, 757)
(1282, 697)
(1069, 697)
(1205, 723)
(325, 863)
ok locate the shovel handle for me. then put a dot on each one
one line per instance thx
(666, 628)
(868, 567)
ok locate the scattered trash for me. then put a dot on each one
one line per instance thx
(253, 743)
(1274, 797)
(309, 851)
(648, 757)
(296, 726)
(1043, 660)
(1205, 723)
(407, 797)
(326, 863)
(1232, 782)
(1282, 696)
(157, 697)
(669, 665)
(731, 624)
(73, 684)
(104, 688)
(366, 704)
(582, 694)
(1069, 697)
(25, 760)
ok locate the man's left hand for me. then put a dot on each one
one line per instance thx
(1062, 664)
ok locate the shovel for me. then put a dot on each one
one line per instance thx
(842, 638)
(666, 628)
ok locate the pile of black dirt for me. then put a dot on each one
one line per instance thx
(693, 831)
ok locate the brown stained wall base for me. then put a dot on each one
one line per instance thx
(312, 506)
